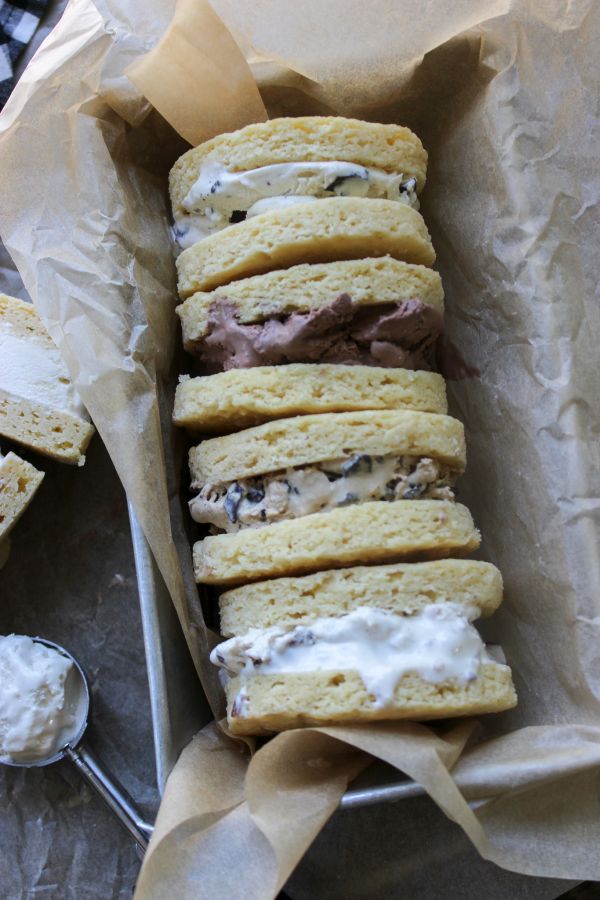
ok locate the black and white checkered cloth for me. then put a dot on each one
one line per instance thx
(18, 22)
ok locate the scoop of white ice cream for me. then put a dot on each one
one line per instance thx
(35, 717)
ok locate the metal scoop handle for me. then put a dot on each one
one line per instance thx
(111, 792)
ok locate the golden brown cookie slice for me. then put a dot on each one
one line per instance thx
(404, 588)
(328, 231)
(19, 481)
(271, 703)
(230, 401)
(368, 533)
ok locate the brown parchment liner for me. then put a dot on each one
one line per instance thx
(504, 96)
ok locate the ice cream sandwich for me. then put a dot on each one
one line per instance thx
(301, 494)
(337, 229)
(240, 398)
(270, 165)
(290, 468)
(380, 312)
(19, 481)
(39, 406)
(399, 644)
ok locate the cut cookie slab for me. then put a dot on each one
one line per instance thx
(19, 481)
(39, 406)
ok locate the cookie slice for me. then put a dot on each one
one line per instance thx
(272, 703)
(230, 401)
(295, 467)
(269, 164)
(380, 312)
(369, 533)
(332, 230)
(407, 587)
(39, 406)
(303, 440)
(19, 481)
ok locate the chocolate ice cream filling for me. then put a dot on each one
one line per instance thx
(392, 335)
(323, 486)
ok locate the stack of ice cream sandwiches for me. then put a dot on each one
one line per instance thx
(326, 477)
(39, 409)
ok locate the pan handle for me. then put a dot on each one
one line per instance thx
(115, 796)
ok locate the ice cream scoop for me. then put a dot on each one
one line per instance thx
(45, 705)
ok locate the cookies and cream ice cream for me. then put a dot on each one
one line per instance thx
(438, 643)
(38, 713)
(220, 197)
(262, 500)
(389, 335)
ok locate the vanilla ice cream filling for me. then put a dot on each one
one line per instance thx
(32, 370)
(219, 198)
(37, 714)
(294, 492)
(438, 644)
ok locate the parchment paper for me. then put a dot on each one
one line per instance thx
(504, 96)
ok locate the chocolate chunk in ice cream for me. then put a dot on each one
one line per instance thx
(392, 335)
